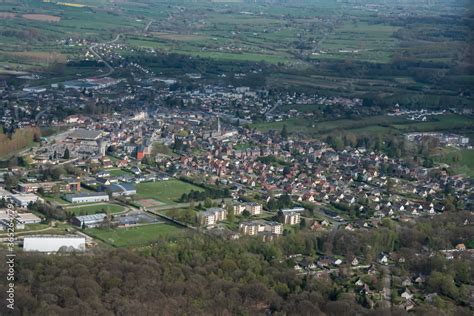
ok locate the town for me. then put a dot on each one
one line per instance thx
(105, 178)
(236, 158)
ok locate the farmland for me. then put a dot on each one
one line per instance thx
(374, 124)
(135, 236)
(360, 41)
(325, 46)
(164, 191)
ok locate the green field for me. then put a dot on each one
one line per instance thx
(445, 122)
(462, 160)
(135, 236)
(56, 199)
(368, 125)
(93, 209)
(360, 41)
(164, 191)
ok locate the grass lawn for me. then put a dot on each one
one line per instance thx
(117, 172)
(32, 227)
(56, 199)
(93, 209)
(234, 225)
(164, 191)
(135, 236)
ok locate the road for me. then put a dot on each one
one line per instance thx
(165, 217)
(313, 272)
(147, 27)
(26, 232)
(38, 116)
(271, 110)
(387, 286)
(169, 207)
(181, 205)
(92, 47)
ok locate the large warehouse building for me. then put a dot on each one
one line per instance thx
(54, 243)
(23, 200)
(87, 197)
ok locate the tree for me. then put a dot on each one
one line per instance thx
(442, 283)
(66, 155)
(11, 181)
(208, 203)
(230, 213)
(449, 204)
(272, 204)
(284, 201)
(390, 184)
(57, 172)
(302, 223)
(284, 132)
(55, 190)
(40, 191)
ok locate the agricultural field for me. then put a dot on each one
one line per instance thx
(167, 192)
(359, 41)
(135, 236)
(325, 46)
(375, 124)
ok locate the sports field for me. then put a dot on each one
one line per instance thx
(135, 236)
(93, 209)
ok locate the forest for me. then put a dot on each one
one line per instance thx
(18, 140)
(198, 273)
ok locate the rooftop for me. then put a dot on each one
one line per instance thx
(91, 217)
(86, 134)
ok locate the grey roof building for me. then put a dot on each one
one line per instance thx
(89, 221)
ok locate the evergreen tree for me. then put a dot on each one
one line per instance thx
(67, 154)
(284, 132)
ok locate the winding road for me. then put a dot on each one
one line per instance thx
(92, 47)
